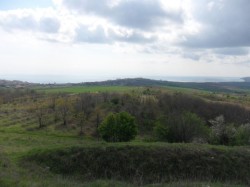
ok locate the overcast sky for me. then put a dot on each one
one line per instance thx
(98, 39)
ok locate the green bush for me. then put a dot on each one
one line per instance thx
(243, 135)
(161, 131)
(118, 127)
(184, 127)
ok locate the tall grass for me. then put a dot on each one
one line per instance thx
(149, 164)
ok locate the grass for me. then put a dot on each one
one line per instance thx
(16, 145)
(120, 89)
(88, 89)
(148, 163)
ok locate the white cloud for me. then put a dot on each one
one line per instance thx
(128, 37)
(30, 20)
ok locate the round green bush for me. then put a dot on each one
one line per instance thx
(120, 127)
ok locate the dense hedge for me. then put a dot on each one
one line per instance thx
(150, 164)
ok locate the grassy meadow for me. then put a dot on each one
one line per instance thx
(26, 150)
(88, 89)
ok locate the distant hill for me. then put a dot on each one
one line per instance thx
(246, 79)
(227, 87)
(15, 84)
(237, 87)
(128, 82)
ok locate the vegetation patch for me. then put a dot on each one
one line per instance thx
(149, 163)
(87, 89)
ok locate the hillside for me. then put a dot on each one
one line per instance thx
(237, 87)
(227, 87)
(54, 139)
(15, 84)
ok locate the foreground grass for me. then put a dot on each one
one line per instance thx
(15, 146)
(144, 163)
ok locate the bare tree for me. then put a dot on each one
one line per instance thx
(40, 110)
(64, 106)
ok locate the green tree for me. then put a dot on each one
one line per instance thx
(242, 135)
(161, 131)
(184, 127)
(119, 127)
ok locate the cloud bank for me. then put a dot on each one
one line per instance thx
(207, 31)
(225, 24)
(145, 15)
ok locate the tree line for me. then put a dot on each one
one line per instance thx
(171, 117)
(160, 116)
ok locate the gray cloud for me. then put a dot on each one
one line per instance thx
(22, 23)
(87, 6)
(226, 24)
(191, 55)
(83, 34)
(135, 37)
(49, 25)
(98, 35)
(28, 22)
(145, 14)
(232, 51)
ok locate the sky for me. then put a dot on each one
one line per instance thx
(85, 40)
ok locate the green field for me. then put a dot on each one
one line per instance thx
(93, 89)
(89, 89)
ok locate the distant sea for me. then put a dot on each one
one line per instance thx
(78, 79)
(199, 79)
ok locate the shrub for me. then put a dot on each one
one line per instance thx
(161, 131)
(149, 164)
(118, 127)
(222, 133)
(243, 135)
(184, 127)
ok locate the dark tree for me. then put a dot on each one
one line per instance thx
(181, 127)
